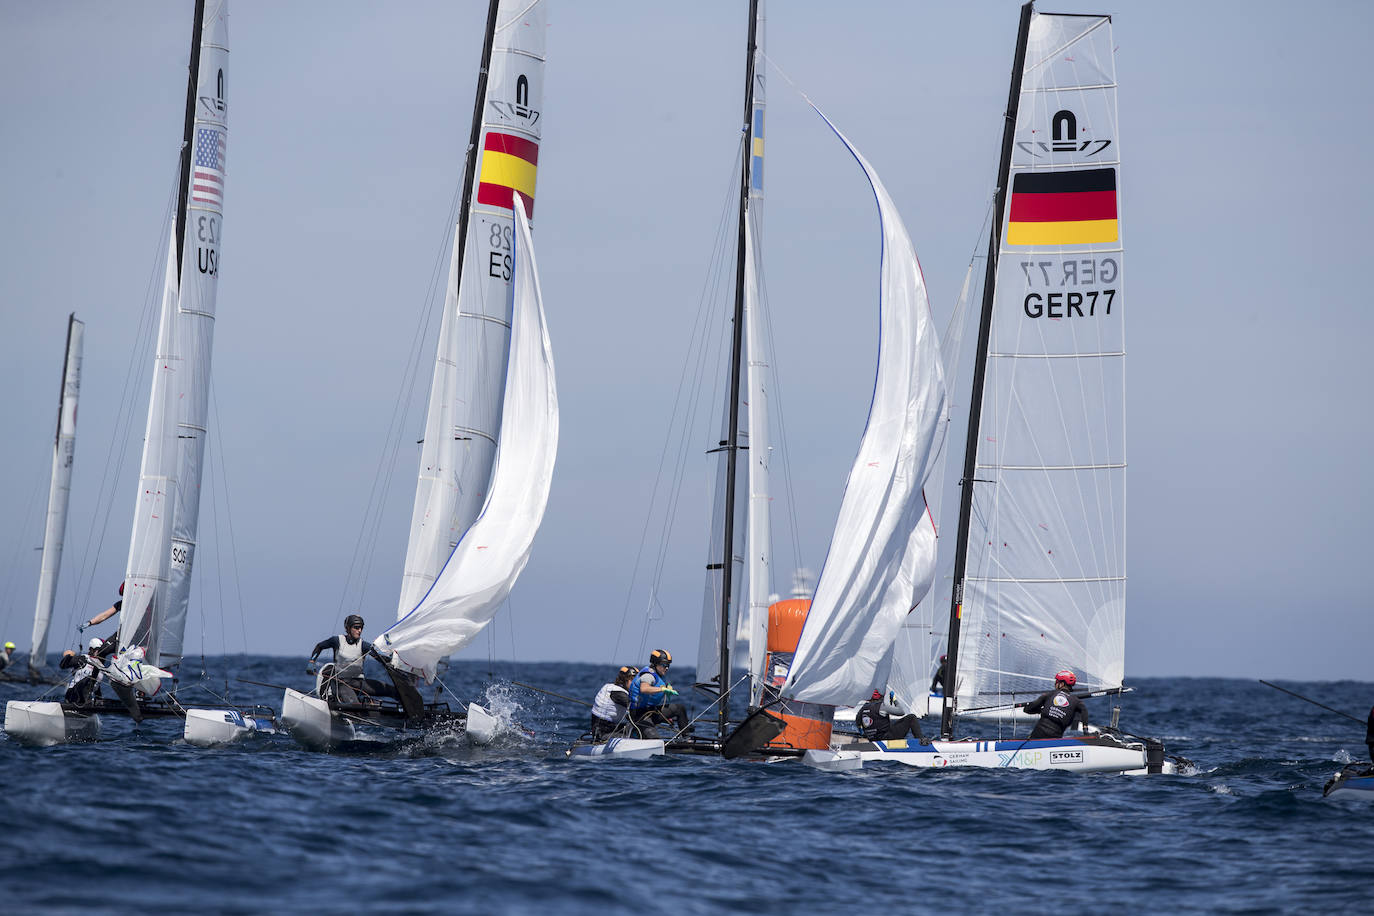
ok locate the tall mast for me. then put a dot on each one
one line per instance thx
(184, 186)
(967, 481)
(470, 169)
(731, 443)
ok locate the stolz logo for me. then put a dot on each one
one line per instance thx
(1064, 138)
(1065, 757)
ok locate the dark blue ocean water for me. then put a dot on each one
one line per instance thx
(141, 822)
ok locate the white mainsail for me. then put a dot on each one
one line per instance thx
(491, 554)
(200, 258)
(145, 579)
(59, 491)
(464, 413)
(1045, 575)
(882, 552)
(755, 556)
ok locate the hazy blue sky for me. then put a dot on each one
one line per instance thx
(1246, 152)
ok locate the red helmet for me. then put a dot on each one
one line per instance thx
(1067, 676)
(121, 588)
(877, 695)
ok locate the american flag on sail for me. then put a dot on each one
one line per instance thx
(207, 173)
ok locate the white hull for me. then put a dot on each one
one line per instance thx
(1075, 755)
(211, 727)
(482, 726)
(620, 749)
(44, 724)
(310, 722)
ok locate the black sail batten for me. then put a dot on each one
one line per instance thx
(966, 481)
(470, 167)
(736, 353)
(62, 391)
(184, 186)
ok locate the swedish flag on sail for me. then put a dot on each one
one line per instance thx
(756, 155)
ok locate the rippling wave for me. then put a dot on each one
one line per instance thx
(425, 823)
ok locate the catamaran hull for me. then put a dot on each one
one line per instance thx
(311, 723)
(45, 723)
(481, 726)
(619, 748)
(211, 727)
(1355, 781)
(1074, 755)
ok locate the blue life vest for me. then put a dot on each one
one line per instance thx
(640, 700)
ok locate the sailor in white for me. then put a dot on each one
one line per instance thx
(350, 652)
(612, 704)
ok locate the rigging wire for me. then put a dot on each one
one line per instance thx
(142, 344)
(714, 267)
(364, 550)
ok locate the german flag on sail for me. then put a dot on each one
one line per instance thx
(1063, 208)
(509, 164)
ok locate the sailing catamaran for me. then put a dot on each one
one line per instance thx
(884, 542)
(161, 545)
(491, 429)
(1039, 570)
(59, 492)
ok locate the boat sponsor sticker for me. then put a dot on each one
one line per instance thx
(1059, 758)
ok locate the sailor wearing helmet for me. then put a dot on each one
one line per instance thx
(350, 652)
(1059, 709)
(84, 685)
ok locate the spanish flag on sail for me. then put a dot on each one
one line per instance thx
(509, 163)
(1063, 208)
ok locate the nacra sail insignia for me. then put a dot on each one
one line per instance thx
(491, 429)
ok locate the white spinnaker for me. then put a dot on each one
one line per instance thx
(145, 579)
(196, 316)
(491, 554)
(59, 491)
(464, 413)
(1045, 577)
(922, 636)
(883, 549)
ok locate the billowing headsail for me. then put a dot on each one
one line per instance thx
(199, 278)
(145, 579)
(494, 550)
(59, 490)
(1043, 584)
(921, 637)
(882, 552)
(756, 551)
(464, 414)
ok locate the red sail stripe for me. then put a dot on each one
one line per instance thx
(498, 195)
(1055, 208)
(512, 145)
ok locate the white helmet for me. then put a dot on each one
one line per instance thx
(94, 644)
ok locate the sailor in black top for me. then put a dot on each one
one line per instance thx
(874, 722)
(937, 683)
(1059, 709)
